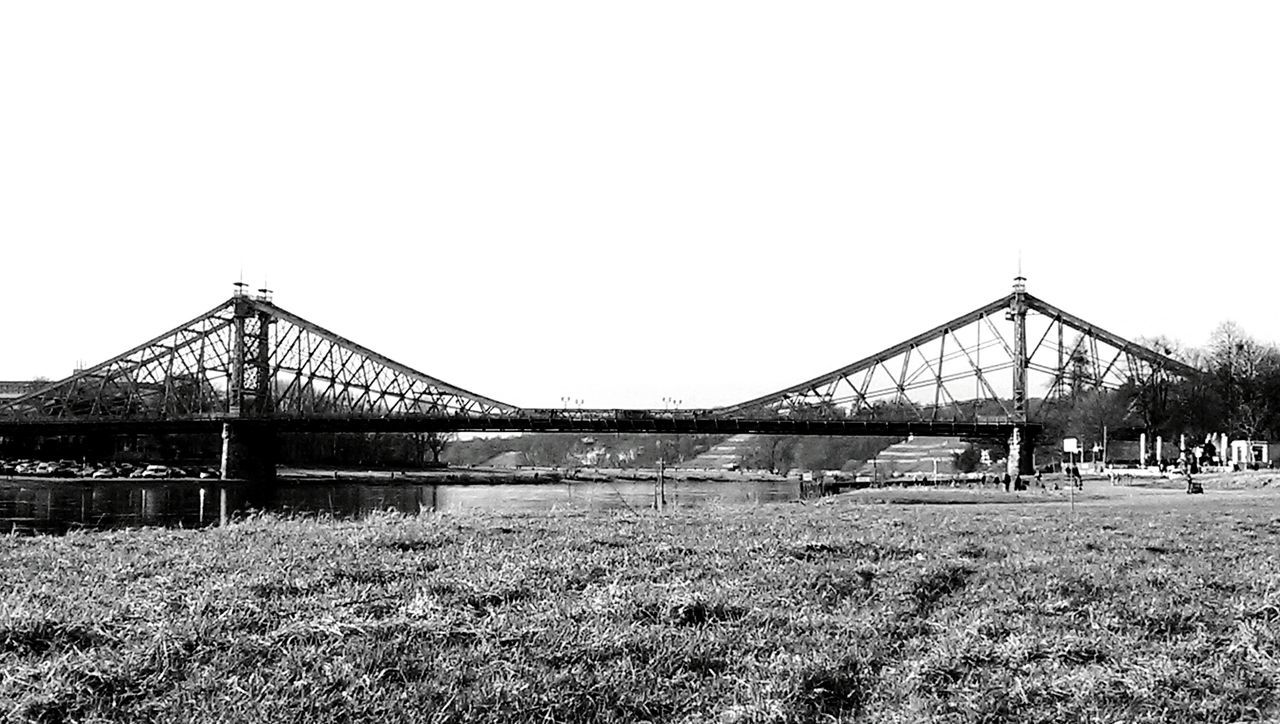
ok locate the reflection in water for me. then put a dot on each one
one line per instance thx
(56, 506)
(51, 506)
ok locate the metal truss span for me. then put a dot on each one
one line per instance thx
(1005, 361)
(246, 358)
(557, 421)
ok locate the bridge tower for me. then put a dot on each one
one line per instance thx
(1021, 444)
(248, 441)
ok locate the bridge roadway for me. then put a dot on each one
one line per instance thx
(539, 420)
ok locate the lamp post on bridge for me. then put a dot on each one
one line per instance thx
(672, 405)
(660, 484)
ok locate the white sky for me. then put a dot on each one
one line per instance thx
(625, 202)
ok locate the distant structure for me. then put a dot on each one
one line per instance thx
(13, 389)
(252, 369)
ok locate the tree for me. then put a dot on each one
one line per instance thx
(1096, 410)
(1245, 374)
(771, 452)
(1079, 372)
(968, 459)
(431, 442)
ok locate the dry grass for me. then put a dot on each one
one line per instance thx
(788, 613)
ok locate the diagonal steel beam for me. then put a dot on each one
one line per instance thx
(1143, 353)
(981, 377)
(280, 313)
(874, 359)
(90, 372)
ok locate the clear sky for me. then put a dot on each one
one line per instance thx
(621, 202)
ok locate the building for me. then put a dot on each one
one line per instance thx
(1245, 452)
(14, 389)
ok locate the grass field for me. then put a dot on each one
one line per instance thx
(1144, 607)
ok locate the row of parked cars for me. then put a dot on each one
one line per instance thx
(73, 469)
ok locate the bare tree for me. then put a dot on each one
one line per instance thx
(1245, 373)
(431, 442)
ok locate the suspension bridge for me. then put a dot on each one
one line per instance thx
(249, 369)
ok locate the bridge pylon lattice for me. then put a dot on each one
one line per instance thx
(1010, 361)
(254, 368)
(245, 362)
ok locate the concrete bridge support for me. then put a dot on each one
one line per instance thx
(248, 452)
(1021, 453)
(1021, 444)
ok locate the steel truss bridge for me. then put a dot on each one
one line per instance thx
(250, 368)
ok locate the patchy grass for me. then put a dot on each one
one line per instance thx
(943, 495)
(1167, 611)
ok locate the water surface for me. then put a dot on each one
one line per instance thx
(39, 505)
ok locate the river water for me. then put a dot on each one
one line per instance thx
(55, 506)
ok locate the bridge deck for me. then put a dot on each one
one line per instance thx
(617, 421)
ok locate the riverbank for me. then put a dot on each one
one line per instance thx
(1167, 611)
(451, 476)
(523, 475)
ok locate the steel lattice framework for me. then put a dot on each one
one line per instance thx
(248, 359)
(977, 367)
(997, 368)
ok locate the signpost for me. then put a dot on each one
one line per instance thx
(1071, 446)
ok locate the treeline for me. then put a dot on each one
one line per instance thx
(388, 450)
(564, 449)
(783, 453)
(1237, 392)
(373, 449)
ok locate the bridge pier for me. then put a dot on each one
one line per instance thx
(1021, 450)
(248, 452)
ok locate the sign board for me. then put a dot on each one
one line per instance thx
(1070, 445)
